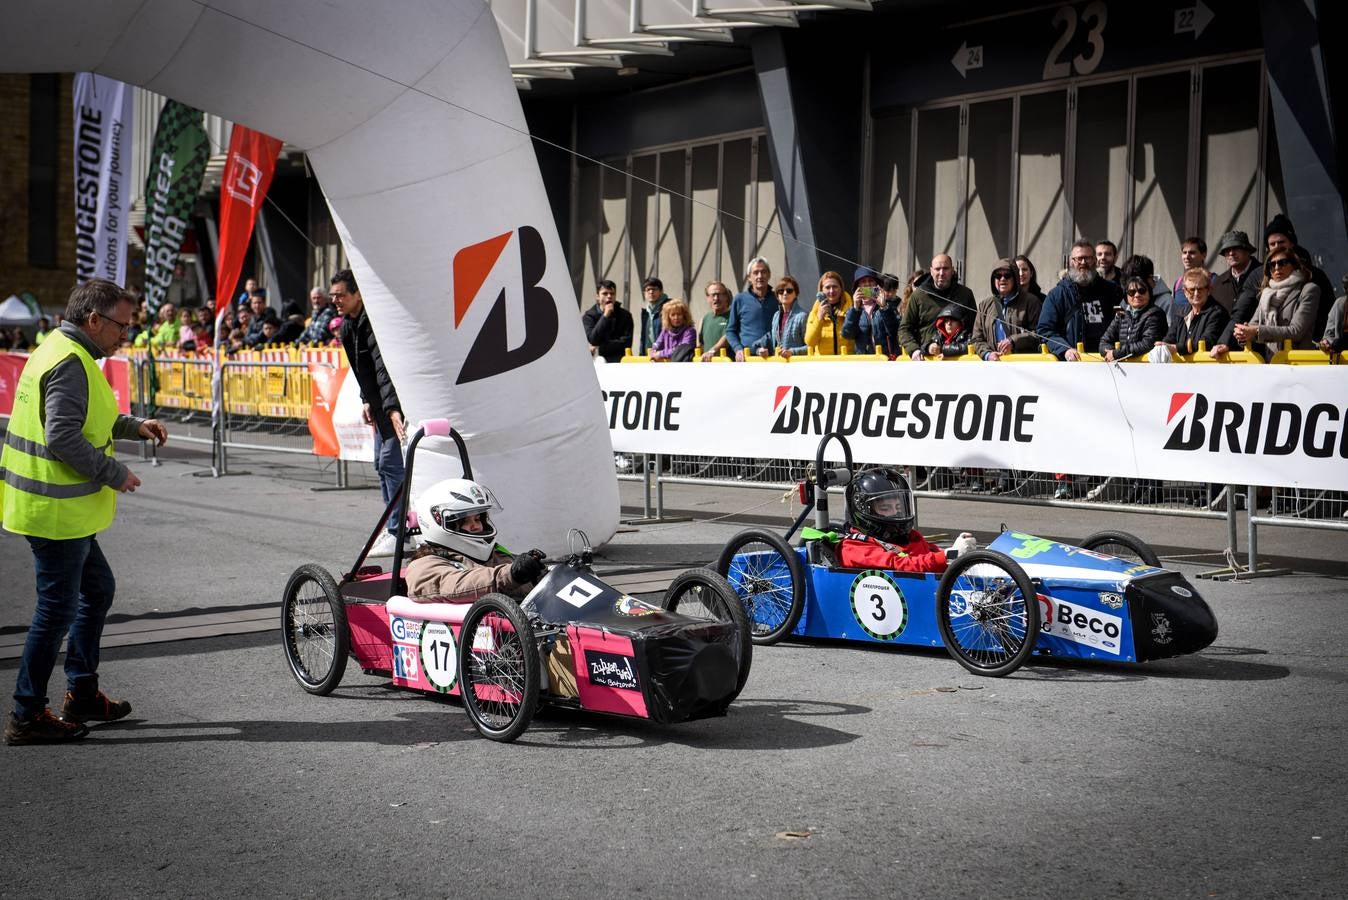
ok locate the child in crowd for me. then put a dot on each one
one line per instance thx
(187, 333)
(952, 338)
(677, 337)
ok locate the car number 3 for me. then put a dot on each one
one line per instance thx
(878, 605)
(878, 614)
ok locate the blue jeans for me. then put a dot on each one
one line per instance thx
(388, 463)
(74, 591)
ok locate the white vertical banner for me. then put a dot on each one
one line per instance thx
(102, 164)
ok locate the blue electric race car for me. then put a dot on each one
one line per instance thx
(1106, 599)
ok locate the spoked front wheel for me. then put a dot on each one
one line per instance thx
(498, 668)
(988, 611)
(314, 630)
(769, 578)
(1123, 545)
(703, 594)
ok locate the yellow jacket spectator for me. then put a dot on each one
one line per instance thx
(823, 329)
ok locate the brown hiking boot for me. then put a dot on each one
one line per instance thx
(44, 728)
(98, 708)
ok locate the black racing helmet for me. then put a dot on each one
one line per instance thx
(880, 503)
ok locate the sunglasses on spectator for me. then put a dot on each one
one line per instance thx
(1138, 292)
(1280, 263)
(783, 291)
(1008, 276)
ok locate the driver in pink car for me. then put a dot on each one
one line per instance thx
(458, 559)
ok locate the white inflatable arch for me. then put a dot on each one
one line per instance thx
(412, 124)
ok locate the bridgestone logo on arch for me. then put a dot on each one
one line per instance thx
(961, 417)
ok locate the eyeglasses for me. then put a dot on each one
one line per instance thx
(782, 292)
(1195, 291)
(1004, 276)
(121, 325)
(1138, 292)
(1286, 261)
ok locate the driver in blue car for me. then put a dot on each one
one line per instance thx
(881, 532)
(458, 559)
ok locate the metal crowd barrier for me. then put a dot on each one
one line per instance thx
(265, 400)
(1273, 507)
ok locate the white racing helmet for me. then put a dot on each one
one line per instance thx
(442, 506)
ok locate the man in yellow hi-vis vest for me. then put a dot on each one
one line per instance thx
(58, 487)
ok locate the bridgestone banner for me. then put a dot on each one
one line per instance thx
(103, 126)
(177, 163)
(1229, 424)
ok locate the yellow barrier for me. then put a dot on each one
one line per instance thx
(1316, 357)
(630, 357)
(1286, 356)
(284, 390)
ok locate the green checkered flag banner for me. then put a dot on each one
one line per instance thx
(177, 164)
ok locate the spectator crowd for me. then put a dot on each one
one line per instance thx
(250, 323)
(1098, 305)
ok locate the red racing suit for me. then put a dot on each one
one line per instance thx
(861, 551)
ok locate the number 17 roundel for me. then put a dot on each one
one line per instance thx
(490, 354)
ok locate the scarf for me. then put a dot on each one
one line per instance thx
(999, 324)
(1273, 297)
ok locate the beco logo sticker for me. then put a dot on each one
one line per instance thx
(486, 269)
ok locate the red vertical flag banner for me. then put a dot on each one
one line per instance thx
(248, 174)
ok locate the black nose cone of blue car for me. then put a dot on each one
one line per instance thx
(1169, 617)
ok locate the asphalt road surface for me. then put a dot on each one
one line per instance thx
(840, 771)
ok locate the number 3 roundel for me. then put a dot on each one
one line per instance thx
(878, 605)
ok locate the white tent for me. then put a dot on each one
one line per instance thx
(411, 122)
(15, 312)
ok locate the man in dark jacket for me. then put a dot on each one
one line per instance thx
(262, 313)
(382, 409)
(608, 327)
(1079, 308)
(939, 289)
(653, 292)
(1279, 237)
(1240, 281)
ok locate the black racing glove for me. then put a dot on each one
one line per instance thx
(527, 567)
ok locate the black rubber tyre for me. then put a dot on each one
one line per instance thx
(499, 668)
(770, 582)
(988, 611)
(1123, 545)
(704, 594)
(314, 631)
